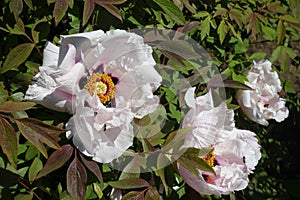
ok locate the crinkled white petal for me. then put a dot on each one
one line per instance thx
(263, 102)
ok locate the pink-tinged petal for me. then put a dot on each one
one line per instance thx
(45, 92)
(236, 151)
(262, 103)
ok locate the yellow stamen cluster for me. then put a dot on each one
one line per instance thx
(209, 158)
(103, 85)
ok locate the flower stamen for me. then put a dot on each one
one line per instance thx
(209, 158)
(102, 85)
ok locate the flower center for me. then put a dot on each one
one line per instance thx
(102, 85)
(209, 158)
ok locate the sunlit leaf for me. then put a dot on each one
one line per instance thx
(280, 32)
(131, 183)
(34, 169)
(93, 167)
(60, 9)
(98, 190)
(11, 106)
(76, 179)
(8, 141)
(23, 197)
(222, 31)
(172, 10)
(39, 133)
(56, 160)
(205, 27)
(17, 56)
(88, 9)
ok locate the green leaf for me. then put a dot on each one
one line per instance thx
(39, 133)
(19, 28)
(222, 30)
(205, 27)
(23, 197)
(34, 169)
(288, 87)
(280, 32)
(152, 194)
(56, 160)
(290, 19)
(76, 179)
(8, 141)
(16, 7)
(17, 56)
(201, 14)
(93, 167)
(11, 106)
(171, 10)
(258, 55)
(112, 10)
(89, 6)
(131, 183)
(8, 178)
(60, 9)
(193, 164)
(98, 190)
(3, 93)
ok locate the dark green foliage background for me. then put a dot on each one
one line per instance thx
(233, 32)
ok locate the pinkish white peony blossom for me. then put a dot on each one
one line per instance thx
(103, 79)
(263, 102)
(236, 152)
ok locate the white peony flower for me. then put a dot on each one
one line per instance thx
(103, 79)
(263, 102)
(236, 152)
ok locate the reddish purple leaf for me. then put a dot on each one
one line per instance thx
(8, 141)
(110, 1)
(152, 194)
(39, 133)
(76, 179)
(60, 8)
(130, 183)
(112, 9)
(56, 160)
(89, 6)
(93, 167)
